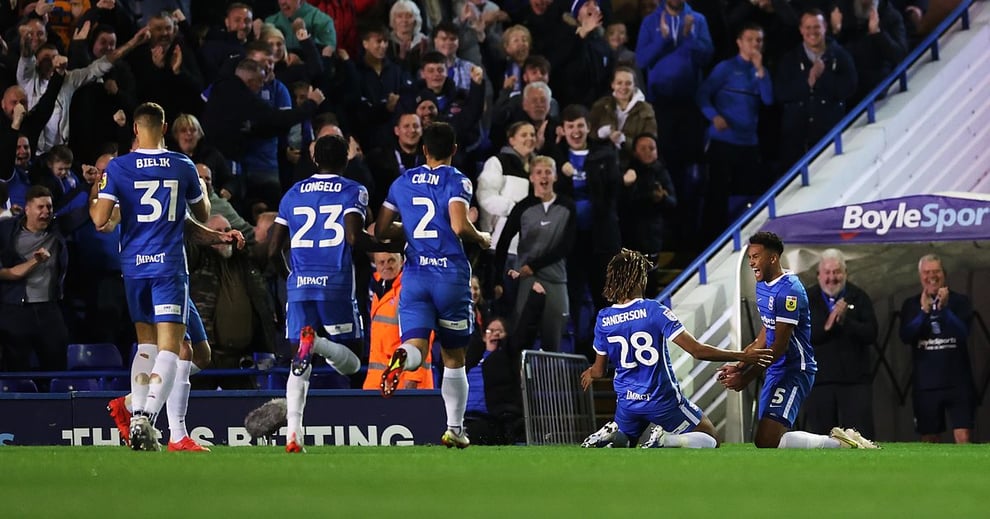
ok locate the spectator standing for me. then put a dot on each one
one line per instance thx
(647, 205)
(588, 173)
(623, 115)
(234, 304)
(406, 42)
(382, 83)
(546, 225)
(34, 258)
(580, 56)
(674, 46)
(843, 327)
(386, 290)
(730, 98)
(222, 43)
(317, 23)
(935, 324)
(873, 33)
(813, 82)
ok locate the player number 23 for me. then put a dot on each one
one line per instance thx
(643, 351)
(330, 223)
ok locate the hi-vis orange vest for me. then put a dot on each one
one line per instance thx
(384, 338)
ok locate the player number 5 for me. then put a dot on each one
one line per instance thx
(331, 223)
(643, 351)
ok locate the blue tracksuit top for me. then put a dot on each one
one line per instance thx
(673, 64)
(734, 92)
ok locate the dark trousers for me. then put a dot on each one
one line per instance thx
(585, 271)
(735, 175)
(839, 405)
(33, 327)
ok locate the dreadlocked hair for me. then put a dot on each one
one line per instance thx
(625, 277)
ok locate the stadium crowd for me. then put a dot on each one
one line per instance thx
(585, 126)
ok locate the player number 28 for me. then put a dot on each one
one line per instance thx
(643, 351)
(330, 223)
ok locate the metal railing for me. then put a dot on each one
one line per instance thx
(555, 408)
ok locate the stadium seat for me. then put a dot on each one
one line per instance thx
(18, 385)
(100, 355)
(64, 385)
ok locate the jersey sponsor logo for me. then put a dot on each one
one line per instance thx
(168, 309)
(339, 329)
(152, 162)
(457, 326)
(432, 262)
(947, 343)
(302, 281)
(790, 303)
(612, 320)
(929, 215)
(324, 186)
(141, 259)
(544, 223)
(426, 178)
(632, 395)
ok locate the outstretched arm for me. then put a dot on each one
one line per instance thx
(597, 370)
(687, 342)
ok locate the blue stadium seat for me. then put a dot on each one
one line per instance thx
(64, 385)
(329, 381)
(100, 355)
(18, 385)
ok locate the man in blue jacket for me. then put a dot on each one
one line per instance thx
(730, 98)
(674, 47)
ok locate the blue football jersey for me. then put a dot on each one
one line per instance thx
(785, 300)
(421, 196)
(152, 188)
(634, 336)
(320, 261)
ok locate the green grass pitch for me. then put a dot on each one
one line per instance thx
(902, 480)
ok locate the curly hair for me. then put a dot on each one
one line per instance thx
(625, 277)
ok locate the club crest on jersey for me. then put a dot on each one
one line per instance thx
(468, 187)
(790, 303)
(770, 304)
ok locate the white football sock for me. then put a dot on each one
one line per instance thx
(143, 363)
(455, 391)
(340, 357)
(414, 358)
(128, 405)
(807, 440)
(178, 402)
(689, 440)
(295, 403)
(165, 365)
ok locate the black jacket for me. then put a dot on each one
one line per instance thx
(604, 188)
(843, 353)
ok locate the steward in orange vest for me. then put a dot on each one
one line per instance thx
(384, 335)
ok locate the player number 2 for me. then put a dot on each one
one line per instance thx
(421, 231)
(643, 351)
(148, 198)
(331, 223)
